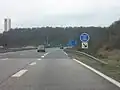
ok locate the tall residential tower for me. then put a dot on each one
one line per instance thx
(7, 24)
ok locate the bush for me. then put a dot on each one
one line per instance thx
(108, 48)
(103, 56)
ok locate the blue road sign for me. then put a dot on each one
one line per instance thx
(84, 37)
(72, 42)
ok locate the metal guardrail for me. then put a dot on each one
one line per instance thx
(90, 56)
(14, 49)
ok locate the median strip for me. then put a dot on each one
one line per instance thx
(100, 74)
(20, 73)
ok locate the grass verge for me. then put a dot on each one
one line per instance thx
(112, 69)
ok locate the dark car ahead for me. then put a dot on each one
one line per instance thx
(61, 47)
(41, 48)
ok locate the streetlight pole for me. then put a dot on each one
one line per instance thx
(47, 40)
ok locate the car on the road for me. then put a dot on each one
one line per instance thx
(61, 47)
(41, 48)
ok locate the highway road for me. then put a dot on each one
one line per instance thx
(52, 70)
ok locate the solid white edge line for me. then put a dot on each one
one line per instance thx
(100, 74)
(20, 73)
(39, 59)
(65, 53)
(33, 63)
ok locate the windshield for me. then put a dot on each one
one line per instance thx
(41, 46)
(60, 45)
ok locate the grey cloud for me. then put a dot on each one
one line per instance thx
(28, 13)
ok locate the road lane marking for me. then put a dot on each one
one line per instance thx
(4, 59)
(5, 53)
(99, 73)
(42, 56)
(65, 53)
(33, 63)
(11, 52)
(39, 59)
(21, 54)
(20, 73)
(46, 53)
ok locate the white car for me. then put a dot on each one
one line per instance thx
(41, 48)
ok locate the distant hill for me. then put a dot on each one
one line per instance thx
(58, 35)
(107, 37)
(99, 37)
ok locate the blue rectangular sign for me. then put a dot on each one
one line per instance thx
(72, 43)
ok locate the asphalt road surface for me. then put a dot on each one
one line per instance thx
(52, 70)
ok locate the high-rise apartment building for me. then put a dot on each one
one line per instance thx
(7, 24)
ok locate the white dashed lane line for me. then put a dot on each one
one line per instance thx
(39, 59)
(65, 53)
(4, 59)
(46, 53)
(21, 54)
(33, 63)
(42, 56)
(20, 73)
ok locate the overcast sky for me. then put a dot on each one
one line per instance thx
(28, 13)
